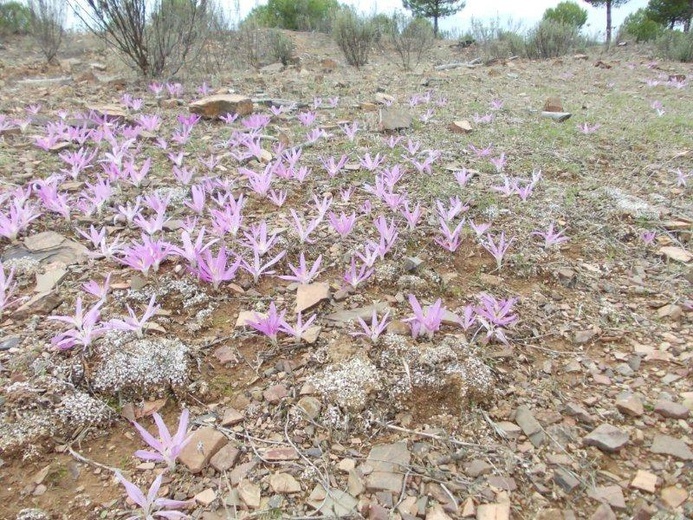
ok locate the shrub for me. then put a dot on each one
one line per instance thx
(354, 35)
(14, 18)
(568, 13)
(295, 15)
(281, 47)
(676, 45)
(411, 39)
(155, 39)
(47, 25)
(640, 26)
(497, 41)
(550, 39)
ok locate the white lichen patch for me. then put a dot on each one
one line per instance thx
(348, 384)
(80, 409)
(137, 366)
(630, 205)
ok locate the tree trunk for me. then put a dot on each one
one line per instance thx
(687, 23)
(435, 26)
(608, 22)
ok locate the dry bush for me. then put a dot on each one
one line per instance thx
(155, 39)
(354, 36)
(411, 39)
(47, 25)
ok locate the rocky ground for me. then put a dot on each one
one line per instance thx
(585, 410)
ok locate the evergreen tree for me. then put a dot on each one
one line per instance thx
(609, 4)
(671, 12)
(433, 9)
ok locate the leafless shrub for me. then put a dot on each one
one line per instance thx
(260, 46)
(355, 35)
(154, 38)
(411, 39)
(46, 25)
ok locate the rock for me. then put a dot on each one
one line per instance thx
(50, 247)
(666, 445)
(399, 328)
(553, 104)
(670, 409)
(392, 118)
(246, 316)
(629, 404)
(412, 263)
(274, 394)
(612, 495)
(355, 484)
(283, 483)
(676, 253)
(557, 116)
(383, 99)
(309, 295)
(274, 68)
(328, 65)
(231, 417)
(225, 458)
(579, 412)
(389, 463)
(368, 107)
(603, 512)
(206, 497)
(670, 311)
(504, 483)
(335, 504)
(365, 313)
(250, 494)
(511, 430)
(437, 513)
(477, 468)
(279, 454)
(460, 127)
(674, 496)
(10, 343)
(607, 438)
(493, 511)
(530, 426)
(469, 508)
(213, 107)
(203, 445)
(644, 481)
(311, 335)
(566, 479)
(310, 405)
(584, 336)
(38, 305)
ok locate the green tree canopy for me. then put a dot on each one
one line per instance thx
(295, 15)
(568, 13)
(433, 9)
(671, 12)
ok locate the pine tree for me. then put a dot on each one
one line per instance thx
(433, 9)
(609, 4)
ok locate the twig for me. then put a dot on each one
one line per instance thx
(432, 436)
(84, 459)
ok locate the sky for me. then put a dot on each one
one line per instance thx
(526, 11)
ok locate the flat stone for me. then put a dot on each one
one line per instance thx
(203, 445)
(530, 426)
(504, 483)
(225, 458)
(206, 497)
(226, 354)
(670, 409)
(365, 313)
(674, 496)
(355, 485)
(666, 445)
(283, 483)
(644, 481)
(607, 438)
(392, 118)
(677, 254)
(460, 127)
(45, 282)
(579, 412)
(231, 417)
(493, 511)
(311, 335)
(218, 105)
(310, 295)
(477, 468)
(437, 512)
(335, 504)
(279, 454)
(511, 430)
(244, 317)
(275, 393)
(670, 311)
(629, 404)
(389, 463)
(249, 493)
(584, 336)
(612, 495)
(566, 479)
(603, 512)
(310, 405)
(38, 305)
